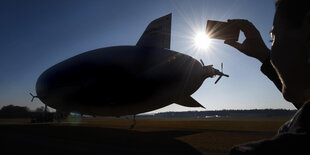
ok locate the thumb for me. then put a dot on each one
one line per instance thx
(234, 44)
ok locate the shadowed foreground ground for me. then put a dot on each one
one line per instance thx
(150, 136)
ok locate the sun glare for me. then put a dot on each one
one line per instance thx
(202, 40)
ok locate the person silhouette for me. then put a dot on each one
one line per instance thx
(287, 64)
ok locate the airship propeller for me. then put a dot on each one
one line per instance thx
(33, 97)
(221, 74)
(217, 72)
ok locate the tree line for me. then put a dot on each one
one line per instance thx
(12, 111)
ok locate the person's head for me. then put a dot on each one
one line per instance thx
(290, 53)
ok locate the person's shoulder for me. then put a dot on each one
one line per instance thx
(300, 123)
(290, 139)
(286, 143)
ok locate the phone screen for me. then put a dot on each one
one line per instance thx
(222, 30)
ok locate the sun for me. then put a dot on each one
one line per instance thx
(202, 41)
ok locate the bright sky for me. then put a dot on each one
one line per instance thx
(37, 34)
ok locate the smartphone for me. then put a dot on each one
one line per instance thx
(222, 30)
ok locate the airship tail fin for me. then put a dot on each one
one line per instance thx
(157, 34)
(189, 102)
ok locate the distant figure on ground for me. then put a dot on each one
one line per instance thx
(287, 64)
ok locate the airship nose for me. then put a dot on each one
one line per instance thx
(41, 88)
(208, 71)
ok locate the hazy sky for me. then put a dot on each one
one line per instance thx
(36, 34)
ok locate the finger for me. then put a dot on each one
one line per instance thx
(234, 44)
(245, 26)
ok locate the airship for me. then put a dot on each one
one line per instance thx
(125, 80)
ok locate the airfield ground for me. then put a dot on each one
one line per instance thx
(149, 136)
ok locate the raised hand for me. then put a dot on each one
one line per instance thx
(253, 45)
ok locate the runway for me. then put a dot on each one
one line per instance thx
(150, 136)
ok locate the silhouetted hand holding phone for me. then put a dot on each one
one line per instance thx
(253, 45)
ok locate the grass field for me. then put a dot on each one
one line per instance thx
(149, 136)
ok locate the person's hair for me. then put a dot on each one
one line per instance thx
(293, 10)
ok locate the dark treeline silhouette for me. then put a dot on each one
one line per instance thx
(11, 111)
(254, 113)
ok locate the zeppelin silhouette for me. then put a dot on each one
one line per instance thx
(125, 80)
